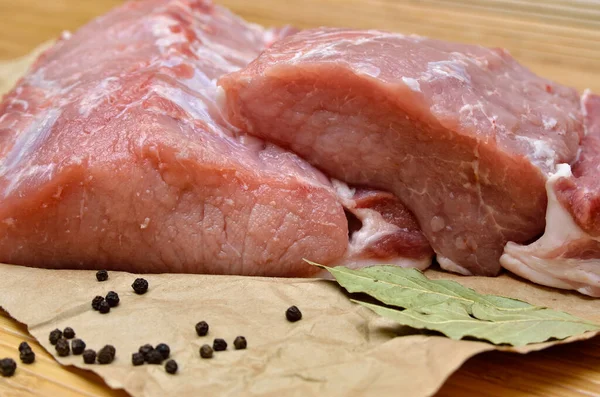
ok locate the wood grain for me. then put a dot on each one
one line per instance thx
(45, 377)
(556, 38)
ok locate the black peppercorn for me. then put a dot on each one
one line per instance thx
(144, 350)
(219, 345)
(27, 356)
(293, 314)
(55, 336)
(112, 298)
(101, 275)
(154, 357)
(206, 351)
(23, 346)
(104, 307)
(89, 356)
(68, 333)
(77, 346)
(171, 366)
(202, 328)
(8, 366)
(240, 343)
(137, 359)
(164, 350)
(140, 286)
(111, 349)
(62, 347)
(96, 302)
(106, 355)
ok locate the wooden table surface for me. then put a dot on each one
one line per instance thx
(559, 39)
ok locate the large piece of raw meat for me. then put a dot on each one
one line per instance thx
(114, 155)
(464, 135)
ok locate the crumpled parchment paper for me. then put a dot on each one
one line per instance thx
(337, 349)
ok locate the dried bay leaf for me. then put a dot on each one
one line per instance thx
(446, 306)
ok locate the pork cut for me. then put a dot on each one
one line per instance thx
(382, 230)
(568, 254)
(463, 135)
(114, 155)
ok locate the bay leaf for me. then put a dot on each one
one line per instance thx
(458, 312)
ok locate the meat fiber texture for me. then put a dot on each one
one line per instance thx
(113, 154)
(568, 254)
(464, 135)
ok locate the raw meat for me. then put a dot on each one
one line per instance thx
(581, 194)
(114, 155)
(568, 254)
(383, 231)
(463, 135)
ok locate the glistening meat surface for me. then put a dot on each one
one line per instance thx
(113, 154)
(568, 254)
(463, 135)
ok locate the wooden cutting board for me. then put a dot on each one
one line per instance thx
(559, 39)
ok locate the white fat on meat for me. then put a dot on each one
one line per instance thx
(374, 229)
(98, 94)
(12, 167)
(412, 83)
(451, 266)
(541, 153)
(539, 262)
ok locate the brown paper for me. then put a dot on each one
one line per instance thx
(338, 348)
